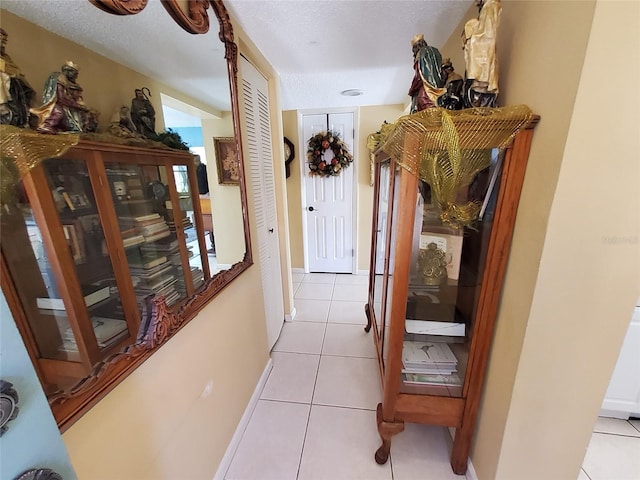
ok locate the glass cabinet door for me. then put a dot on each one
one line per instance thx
(148, 223)
(198, 260)
(59, 331)
(447, 261)
(381, 257)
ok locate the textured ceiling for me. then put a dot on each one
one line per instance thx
(149, 42)
(319, 47)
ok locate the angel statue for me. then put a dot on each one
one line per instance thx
(63, 108)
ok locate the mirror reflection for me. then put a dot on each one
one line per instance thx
(198, 110)
(94, 235)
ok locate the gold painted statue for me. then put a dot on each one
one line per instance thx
(479, 44)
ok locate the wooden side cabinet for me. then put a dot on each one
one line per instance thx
(88, 238)
(435, 284)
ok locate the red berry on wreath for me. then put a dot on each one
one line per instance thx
(325, 144)
(334, 161)
(322, 165)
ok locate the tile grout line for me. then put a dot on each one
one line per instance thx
(306, 429)
(637, 428)
(617, 434)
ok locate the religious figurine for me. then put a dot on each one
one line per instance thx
(452, 99)
(63, 108)
(479, 44)
(143, 114)
(15, 92)
(428, 79)
(121, 125)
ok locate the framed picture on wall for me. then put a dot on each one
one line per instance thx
(227, 160)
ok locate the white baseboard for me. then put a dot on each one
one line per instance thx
(288, 317)
(301, 270)
(225, 463)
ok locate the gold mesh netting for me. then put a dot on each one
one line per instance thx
(447, 149)
(22, 150)
(373, 140)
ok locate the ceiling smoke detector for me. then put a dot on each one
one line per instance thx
(352, 92)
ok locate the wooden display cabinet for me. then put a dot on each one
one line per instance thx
(88, 238)
(434, 288)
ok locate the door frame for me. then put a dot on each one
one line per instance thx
(354, 187)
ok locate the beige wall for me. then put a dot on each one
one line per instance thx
(294, 198)
(529, 66)
(155, 424)
(568, 291)
(574, 334)
(369, 120)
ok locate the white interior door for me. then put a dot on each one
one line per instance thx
(259, 156)
(328, 202)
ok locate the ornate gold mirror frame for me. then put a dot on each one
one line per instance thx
(69, 405)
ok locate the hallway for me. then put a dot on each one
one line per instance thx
(315, 419)
(316, 415)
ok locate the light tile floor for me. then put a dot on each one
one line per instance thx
(315, 419)
(614, 451)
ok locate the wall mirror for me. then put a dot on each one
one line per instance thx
(111, 45)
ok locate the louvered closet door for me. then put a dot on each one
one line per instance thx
(259, 156)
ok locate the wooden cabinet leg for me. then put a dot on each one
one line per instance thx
(368, 314)
(386, 431)
(460, 450)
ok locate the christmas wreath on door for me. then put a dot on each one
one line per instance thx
(327, 165)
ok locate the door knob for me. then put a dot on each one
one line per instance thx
(311, 209)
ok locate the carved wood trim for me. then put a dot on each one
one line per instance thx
(197, 19)
(226, 36)
(164, 322)
(120, 7)
(231, 55)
